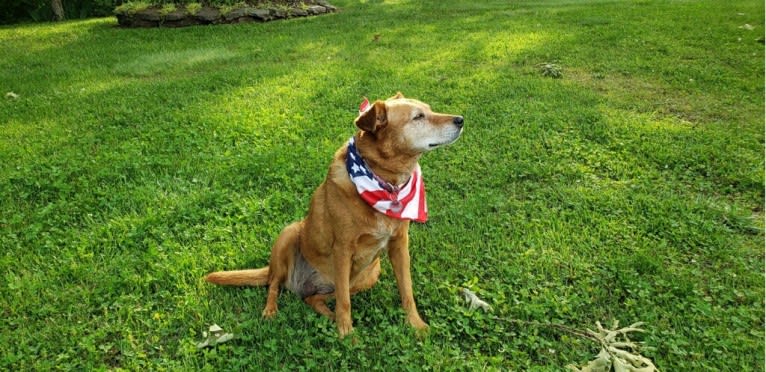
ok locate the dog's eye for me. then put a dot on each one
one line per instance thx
(419, 116)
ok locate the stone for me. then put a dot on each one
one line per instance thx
(175, 15)
(235, 14)
(298, 12)
(187, 20)
(316, 9)
(149, 14)
(133, 22)
(327, 5)
(208, 15)
(259, 14)
(279, 13)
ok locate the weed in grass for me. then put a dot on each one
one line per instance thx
(551, 70)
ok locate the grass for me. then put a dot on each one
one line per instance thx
(134, 161)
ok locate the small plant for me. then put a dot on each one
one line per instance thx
(226, 9)
(167, 9)
(131, 7)
(193, 8)
(282, 7)
(551, 70)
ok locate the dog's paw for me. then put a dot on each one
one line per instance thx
(345, 329)
(418, 323)
(420, 327)
(422, 333)
(269, 312)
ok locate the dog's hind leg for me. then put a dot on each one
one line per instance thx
(281, 261)
(319, 304)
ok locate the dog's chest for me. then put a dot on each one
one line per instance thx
(383, 236)
(374, 243)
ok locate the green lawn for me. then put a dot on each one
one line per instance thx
(134, 161)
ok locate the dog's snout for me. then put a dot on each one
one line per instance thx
(458, 120)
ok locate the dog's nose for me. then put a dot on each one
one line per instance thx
(458, 120)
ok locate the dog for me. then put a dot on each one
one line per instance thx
(363, 208)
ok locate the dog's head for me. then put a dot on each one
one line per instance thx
(409, 126)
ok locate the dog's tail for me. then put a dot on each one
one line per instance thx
(252, 277)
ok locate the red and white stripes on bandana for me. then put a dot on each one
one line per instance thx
(405, 202)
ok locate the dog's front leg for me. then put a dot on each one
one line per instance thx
(342, 262)
(399, 253)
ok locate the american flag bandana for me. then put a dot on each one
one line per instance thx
(405, 202)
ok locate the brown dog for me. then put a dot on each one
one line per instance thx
(364, 207)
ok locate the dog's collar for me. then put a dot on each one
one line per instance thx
(406, 201)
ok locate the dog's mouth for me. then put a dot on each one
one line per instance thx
(435, 145)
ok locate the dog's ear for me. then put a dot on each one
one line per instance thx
(373, 119)
(398, 95)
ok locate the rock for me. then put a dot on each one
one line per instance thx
(187, 20)
(175, 15)
(208, 15)
(317, 9)
(298, 12)
(235, 14)
(330, 8)
(133, 22)
(149, 14)
(259, 14)
(278, 13)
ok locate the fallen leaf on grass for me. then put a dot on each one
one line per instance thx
(474, 301)
(11, 95)
(618, 353)
(214, 336)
